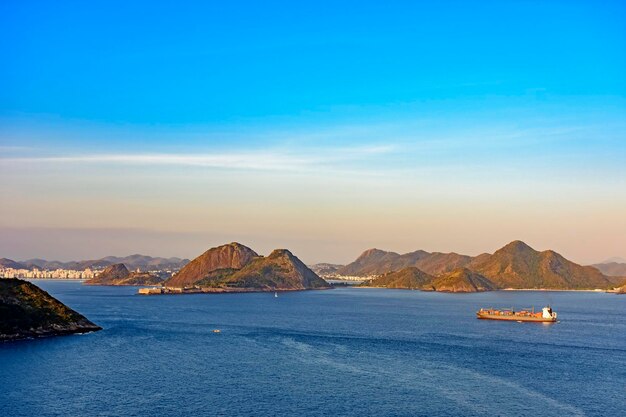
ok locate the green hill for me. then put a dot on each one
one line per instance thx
(406, 278)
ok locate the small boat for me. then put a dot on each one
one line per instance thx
(275, 295)
(545, 316)
(217, 331)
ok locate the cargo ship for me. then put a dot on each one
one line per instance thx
(545, 316)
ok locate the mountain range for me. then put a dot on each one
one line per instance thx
(235, 267)
(612, 269)
(141, 262)
(376, 262)
(10, 263)
(515, 265)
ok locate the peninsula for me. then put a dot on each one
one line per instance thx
(26, 311)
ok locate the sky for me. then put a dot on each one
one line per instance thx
(167, 128)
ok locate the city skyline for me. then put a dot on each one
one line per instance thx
(325, 129)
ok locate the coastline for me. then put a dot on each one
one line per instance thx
(48, 333)
(500, 289)
(550, 289)
(55, 279)
(169, 291)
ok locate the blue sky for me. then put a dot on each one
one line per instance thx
(330, 126)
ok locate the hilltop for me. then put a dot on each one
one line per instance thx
(517, 265)
(235, 267)
(231, 256)
(27, 311)
(280, 270)
(118, 274)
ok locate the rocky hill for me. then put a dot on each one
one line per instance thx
(232, 256)
(462, 280)
(237, 267)
(406, 278)
(118, 274)
(280, 270)
(517, 265)
(26, 311)
(377, 262)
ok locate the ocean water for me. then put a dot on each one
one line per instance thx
(341, 352)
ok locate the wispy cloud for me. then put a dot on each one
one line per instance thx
(273, 160)
(10, 148)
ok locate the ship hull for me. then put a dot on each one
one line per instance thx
(516, 318)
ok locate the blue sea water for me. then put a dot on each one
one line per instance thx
(346, 351)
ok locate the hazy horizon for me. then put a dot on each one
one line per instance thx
(326, 129)
(199, 243)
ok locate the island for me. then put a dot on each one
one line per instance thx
(237, 268)
(27, 311)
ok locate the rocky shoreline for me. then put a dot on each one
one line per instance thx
(78, 328)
